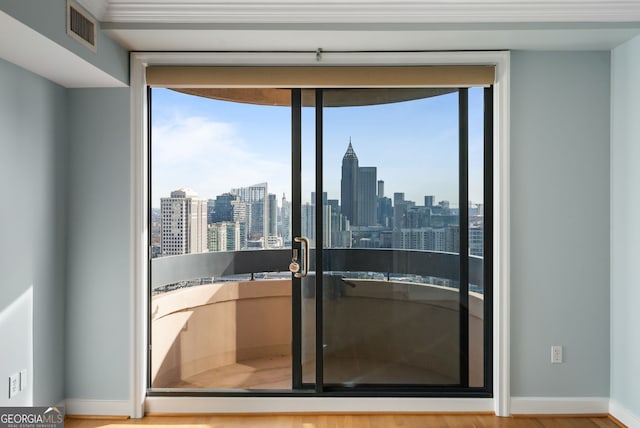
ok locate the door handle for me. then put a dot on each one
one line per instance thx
(305, 258)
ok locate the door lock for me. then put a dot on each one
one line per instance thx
(294, 266)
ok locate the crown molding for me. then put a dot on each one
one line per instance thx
(97, 8)
(364, 11)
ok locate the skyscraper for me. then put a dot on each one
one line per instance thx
(272, 215)
(381, 188)
(227, 236)
(222, 209)
(285, 214)
(255, 198)
(428, 201)
(183, 224)
(366, 196)
(308, 221)
(349, 184)
(211, 207)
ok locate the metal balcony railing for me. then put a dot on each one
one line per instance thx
(172, 269)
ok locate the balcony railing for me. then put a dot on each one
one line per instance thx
(172, 269)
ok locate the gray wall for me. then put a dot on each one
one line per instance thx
(560, 231)
(98, 323)
(64, 252)
(625, 229)
(33, 161)
(560, 223)
(48, 17)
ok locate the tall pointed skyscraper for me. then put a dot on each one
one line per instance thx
(349, 184)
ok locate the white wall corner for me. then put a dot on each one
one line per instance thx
(559, 405)
(78, 406)
(624, 415)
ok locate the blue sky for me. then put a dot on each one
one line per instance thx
(212, 146)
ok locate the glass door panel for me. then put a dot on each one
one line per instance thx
(480, 232)
(308, 230)
(378, 195)
(391, 258)
(220, 292)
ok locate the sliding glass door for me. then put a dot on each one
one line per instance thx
(220, 293)
(360, 262)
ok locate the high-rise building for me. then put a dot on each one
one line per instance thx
(308, 221)
(285, 223)
(272, 216)
(366, 196)
(398, 198)
(358, 190)
(349, 184)
(324, 198)
(222, 208)
(211, 206)
(239, 212)
(381, 188)
(227, 236)
(256, 199)
(476, 240)
(183, 224)
(385, 212)
(452, 238)
(339, 225)
(429, 200)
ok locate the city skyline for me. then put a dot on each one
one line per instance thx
(201, 143)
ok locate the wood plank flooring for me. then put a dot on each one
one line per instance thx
(347, 421)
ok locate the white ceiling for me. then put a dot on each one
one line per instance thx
(368, 40)
(332, 25)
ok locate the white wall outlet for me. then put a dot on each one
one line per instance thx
(14, 385)
(556, 354)
(23, 379)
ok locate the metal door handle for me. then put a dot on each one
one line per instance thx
(305, 256)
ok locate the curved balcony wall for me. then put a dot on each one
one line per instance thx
(198, 329)
(201, 335)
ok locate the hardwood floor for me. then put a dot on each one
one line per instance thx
(347, 421)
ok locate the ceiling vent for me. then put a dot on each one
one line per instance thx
(80, 25)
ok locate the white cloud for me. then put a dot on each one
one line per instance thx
(209, 157)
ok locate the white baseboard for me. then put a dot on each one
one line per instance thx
(559, 405)
(314, 404)
(624, 415)
(77, 406)
(519, 405)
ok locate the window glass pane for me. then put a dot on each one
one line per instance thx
(476, 237)
(220, 232)
(391, 173)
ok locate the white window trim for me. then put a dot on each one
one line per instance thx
(500, 403)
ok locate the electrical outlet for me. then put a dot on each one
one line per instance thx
(556, 354)
(14, 385)
(23, 379)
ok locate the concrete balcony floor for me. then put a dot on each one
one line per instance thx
(274, 372)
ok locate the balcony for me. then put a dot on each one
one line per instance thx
(381, 326)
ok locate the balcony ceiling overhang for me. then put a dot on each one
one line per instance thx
(341, 98)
